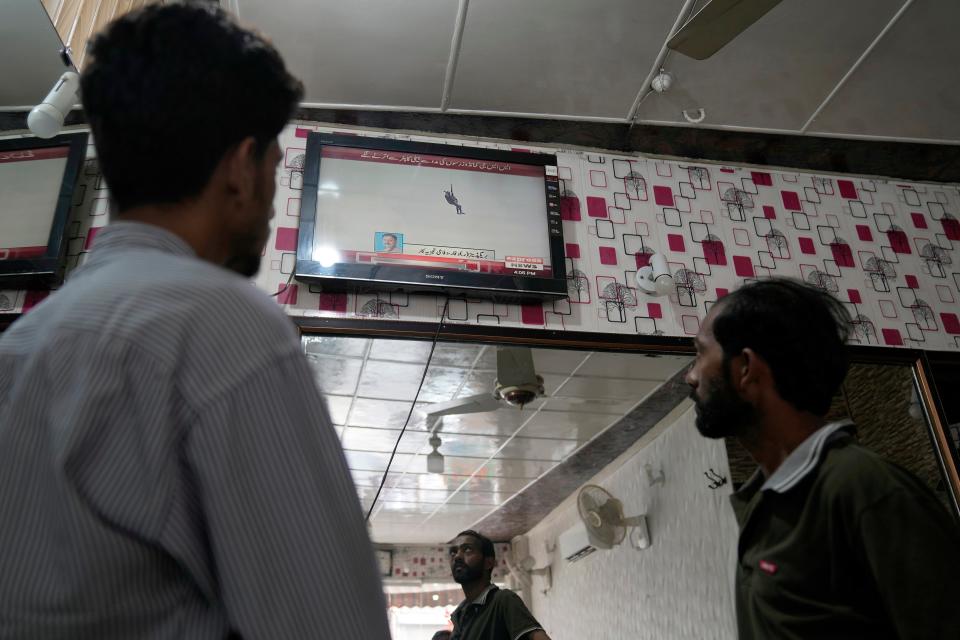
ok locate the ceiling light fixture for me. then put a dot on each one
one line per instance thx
(435, 458)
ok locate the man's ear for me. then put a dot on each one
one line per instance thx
(750, 372)
(239, 167)
(489, 563)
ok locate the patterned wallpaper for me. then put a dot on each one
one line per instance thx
(679, 588)
(889, 250)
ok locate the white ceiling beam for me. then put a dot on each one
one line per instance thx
(645, 89)
(856, 65)
(455, 45)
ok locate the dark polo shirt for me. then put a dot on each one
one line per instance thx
(840, 543)
(496, 614)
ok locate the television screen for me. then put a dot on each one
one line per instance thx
(37, 179)
(411, 216)
(29, 188)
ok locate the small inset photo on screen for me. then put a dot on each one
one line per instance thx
(388, 242)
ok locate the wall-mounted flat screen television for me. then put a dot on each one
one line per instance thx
(37, 181)
(386, 215)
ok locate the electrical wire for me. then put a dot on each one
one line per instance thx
(426, 368)
(285, 286)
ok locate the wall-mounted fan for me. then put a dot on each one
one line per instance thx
(517, 384)
(602, 514)
(716, 24)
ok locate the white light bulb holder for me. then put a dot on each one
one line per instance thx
(655, 279)
(46, 119)
(662, 82)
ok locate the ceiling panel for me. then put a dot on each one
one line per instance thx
(335, 375)
(363, 51)
(338, 407)
(616, 388)
(335, 345)
(568, 426)
(543, 56)
(557, 361)
(500, 422)
(380, 414)
(777, 72)
(632, 365)
(907, 87)
(390, 380)
(537, 449)
(29, 53)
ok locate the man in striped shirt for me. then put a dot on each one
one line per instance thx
(167, 467)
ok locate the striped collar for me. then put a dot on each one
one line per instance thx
(804, 458)
(126, 235)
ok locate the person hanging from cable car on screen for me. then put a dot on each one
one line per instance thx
(452, 199)
(487, 612)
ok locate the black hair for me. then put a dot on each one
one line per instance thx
(798, 329)
(169, 89)
(486, 546)
(443, 634)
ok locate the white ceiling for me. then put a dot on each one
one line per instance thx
(370, 386)
(589, 59)
(29, 54)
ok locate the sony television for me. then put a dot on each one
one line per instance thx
(387, 215)
(37, 181)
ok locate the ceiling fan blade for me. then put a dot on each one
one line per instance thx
(471, 404)
(719, 22)
(515, 366)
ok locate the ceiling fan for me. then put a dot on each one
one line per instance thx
(517, 384)
(716, 24)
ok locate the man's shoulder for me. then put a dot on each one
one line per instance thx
(851, 472)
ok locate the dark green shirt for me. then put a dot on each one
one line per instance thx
(840, 543)
(497, 614)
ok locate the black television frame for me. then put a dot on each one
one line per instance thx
(47, 270)
(353, 277)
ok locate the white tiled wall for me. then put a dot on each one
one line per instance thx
(681, 587)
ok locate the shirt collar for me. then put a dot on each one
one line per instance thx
(479, 601)
(127, 235)
(804, 458)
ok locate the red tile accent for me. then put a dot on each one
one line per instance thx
(596, 207)
(643, 260)
(807, 247)
(663, 196)
(743, 266)
(33, 298)
(91, 235)
(531, 314)
(899, 242)
(951, 323)
(854, 296)
(608, 255)
(714, 253)
(791, 201)
(721, 293)
(769, 212)
(847, 190)
(761, 179)
(287, 294)
(892, 337)
(333, 302)
(912, 282)
(570, 209)
(951, 228)
(286, 239)
(301, 132)
(919, 221)
(572, 250)
(842, 255)
(654, 310)
(864, 233)
(675, 242)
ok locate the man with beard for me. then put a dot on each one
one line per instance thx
(487, 612)
(167, 466)
(835, 542)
